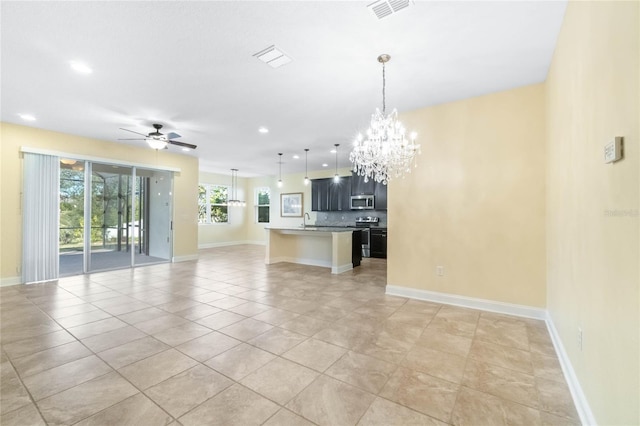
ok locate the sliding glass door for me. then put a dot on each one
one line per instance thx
(113, 217)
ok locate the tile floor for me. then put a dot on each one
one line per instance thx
(228, 340)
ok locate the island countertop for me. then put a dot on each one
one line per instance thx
(312, 228)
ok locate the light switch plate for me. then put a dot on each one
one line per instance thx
(613, 150)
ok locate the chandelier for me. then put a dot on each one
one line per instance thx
(234, 187)
(386, 152)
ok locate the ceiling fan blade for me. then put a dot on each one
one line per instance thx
(132, 139)
(183, 144)
(127, 130)
(172, 135)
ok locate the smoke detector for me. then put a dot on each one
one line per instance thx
(384, 8)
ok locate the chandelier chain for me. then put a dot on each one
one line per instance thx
(384, 86)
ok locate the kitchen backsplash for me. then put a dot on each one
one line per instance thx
(348, 218)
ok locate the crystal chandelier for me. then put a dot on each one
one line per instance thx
(386, 152)
(234, 187)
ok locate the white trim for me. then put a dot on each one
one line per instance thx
(302, 261)
(6, 282)
(314, 262)
(230, 243)
(342, 268)
(186, 258)
(97, 159)
(579, 398)
(468, 302)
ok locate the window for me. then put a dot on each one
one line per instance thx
(212, 203)
(263, 198)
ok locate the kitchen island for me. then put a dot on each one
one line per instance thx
(329, 247)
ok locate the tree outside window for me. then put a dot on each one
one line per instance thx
(263, 199)
(212, 203)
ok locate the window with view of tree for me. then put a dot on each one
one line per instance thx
(212, 203)
(263, 198)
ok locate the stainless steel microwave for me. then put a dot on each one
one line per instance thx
(362, 202)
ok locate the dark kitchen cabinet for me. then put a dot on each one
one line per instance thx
(340, 194)
(360, 187)
(330, 196)
(320, 195)
(356, 248)
(378, 242)
(380, 193)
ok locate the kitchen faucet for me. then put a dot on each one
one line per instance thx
(304, 219)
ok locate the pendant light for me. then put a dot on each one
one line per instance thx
(306, 166)
(336, 177)
(234, 188)
(280, 173)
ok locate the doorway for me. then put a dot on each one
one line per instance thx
(113, 216)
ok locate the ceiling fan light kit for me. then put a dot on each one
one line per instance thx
(386, 152)
(157, 140)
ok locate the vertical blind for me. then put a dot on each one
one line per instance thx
(40, 218)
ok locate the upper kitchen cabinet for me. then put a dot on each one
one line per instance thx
(330, 196)
(340, 192)
(380, 193)
(360, 187)
(320, 195)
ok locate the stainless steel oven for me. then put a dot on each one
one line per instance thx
(365, 223)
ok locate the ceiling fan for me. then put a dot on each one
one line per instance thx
(157, 140)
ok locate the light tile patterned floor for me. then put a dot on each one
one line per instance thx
(228, 340)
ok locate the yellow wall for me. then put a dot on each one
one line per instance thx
(243, 227)
(476, 202)
(14, 137)
(593, 275)
(234, 231)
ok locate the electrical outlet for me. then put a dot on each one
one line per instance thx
(580, 338)
(440, 271)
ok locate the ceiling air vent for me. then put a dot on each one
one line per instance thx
(273, 57)
(384, 8)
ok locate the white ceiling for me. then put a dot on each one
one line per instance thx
(190, 66)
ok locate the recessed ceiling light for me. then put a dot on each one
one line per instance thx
(80, 67)
(325, 165)
(263, 130)
(296, 156)
(27, 117)
(186, 149)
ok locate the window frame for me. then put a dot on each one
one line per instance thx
(257, 204)
(208, 205)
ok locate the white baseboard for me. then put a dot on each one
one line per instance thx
(184, 258)
(5, 282)
(579, 398)
(230, 243)
(468, 302)
(302, 261)
(342, 268)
